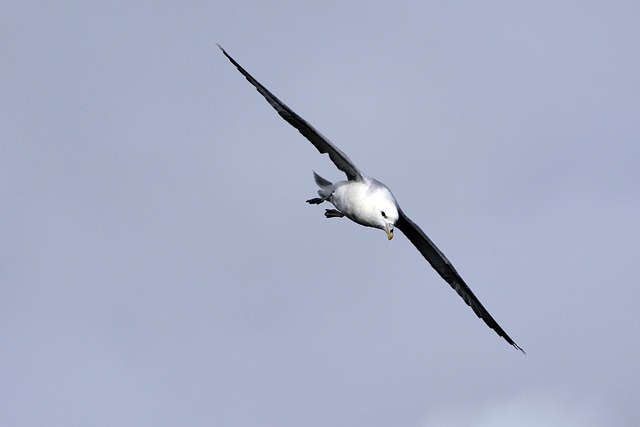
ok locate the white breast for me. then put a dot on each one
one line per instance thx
(362, 201)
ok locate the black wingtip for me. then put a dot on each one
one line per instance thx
(221, 48)
(517, 347)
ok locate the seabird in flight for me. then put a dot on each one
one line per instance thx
(369, 202)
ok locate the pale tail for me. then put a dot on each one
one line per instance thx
(320, 181)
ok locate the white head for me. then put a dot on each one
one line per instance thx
(367, 202)
(384, 210)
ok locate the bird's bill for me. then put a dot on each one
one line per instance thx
(388, 228)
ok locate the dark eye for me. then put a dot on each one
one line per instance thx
(384, 215)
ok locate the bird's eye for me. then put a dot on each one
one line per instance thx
(384, 215)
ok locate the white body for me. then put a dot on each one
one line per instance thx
(367, 202)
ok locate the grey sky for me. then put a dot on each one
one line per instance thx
(159, 265)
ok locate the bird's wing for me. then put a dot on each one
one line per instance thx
(446, 270)
(321, 142)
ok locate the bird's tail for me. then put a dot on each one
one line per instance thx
(320, 181)
(325, 191)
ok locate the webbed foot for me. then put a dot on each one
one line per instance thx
(315, 201)
(333, 213)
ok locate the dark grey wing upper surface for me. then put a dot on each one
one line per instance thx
(446, 270)
(323, 144)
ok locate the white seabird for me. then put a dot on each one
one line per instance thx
(369, 202)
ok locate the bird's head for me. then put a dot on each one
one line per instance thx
(387, 215)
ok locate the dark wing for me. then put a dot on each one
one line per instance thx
(323, 144)
(444, 267)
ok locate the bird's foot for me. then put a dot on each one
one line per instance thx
(315, 201)
(333, 213)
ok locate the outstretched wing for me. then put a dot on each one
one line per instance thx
(446, 270)
(323, 144)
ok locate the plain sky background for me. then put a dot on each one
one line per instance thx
(159, 267)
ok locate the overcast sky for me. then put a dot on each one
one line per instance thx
(159, 267)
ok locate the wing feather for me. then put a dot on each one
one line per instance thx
(446, 270)
(321, 142)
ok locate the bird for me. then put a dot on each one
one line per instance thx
(368, 202)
